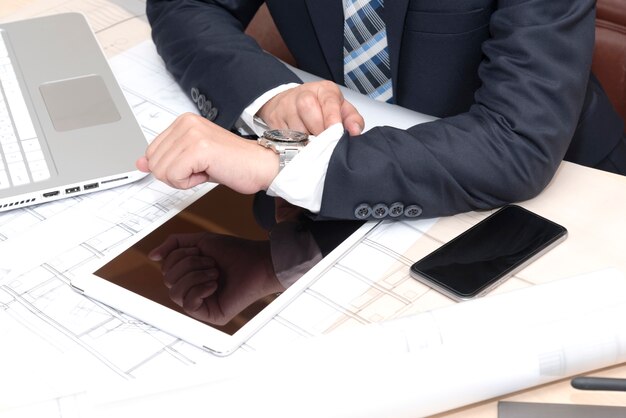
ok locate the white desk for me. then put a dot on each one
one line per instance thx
(589, 203)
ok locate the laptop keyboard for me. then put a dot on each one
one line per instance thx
(21, 158)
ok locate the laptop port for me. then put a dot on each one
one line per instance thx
(90, 186)
(51, 194)
(72, 189)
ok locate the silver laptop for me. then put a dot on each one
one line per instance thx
(65, 126)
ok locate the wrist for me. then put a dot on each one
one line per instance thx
(268, 163)
(264, 111)
(271, 282)
(285, 143)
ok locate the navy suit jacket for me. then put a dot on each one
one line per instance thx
(509, 78)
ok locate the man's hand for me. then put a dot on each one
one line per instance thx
(193, 150)
(206, 277)
(311, 107)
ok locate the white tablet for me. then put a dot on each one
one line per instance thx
(215, 284)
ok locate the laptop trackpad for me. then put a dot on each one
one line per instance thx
(79, 103)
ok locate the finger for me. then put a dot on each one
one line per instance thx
(196, 296)
(190, 280)
(182, 261)
(295, 123)
(163, 156)
(156, 142)
(330, 98)
(182, 160)
(185, 168)
(209, 309)
(308, 114)
(175, 241)
(167, 146)
(142, 164)
(158, 163)
(280, 123)
(352, 120)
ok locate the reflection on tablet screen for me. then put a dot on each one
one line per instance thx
(215, 259)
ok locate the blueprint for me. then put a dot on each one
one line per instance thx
(53, 338)
(55, 342)
(57, 345)
(415, 366)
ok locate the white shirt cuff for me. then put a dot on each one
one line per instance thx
(301, 182)
(294, 252)
(248, 115)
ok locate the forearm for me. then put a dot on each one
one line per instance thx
(505, 148)
(204, 46)
(293, 252)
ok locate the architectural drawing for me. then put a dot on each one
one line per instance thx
(66, 341)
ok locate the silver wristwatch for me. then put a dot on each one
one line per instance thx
(284, 142)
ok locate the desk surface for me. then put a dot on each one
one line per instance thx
(589, 203)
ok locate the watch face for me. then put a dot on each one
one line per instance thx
(285, 135)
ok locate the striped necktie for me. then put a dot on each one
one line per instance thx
(365, 53)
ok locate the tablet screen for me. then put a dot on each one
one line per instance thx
(226, 257)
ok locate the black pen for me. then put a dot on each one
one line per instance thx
(599, 383)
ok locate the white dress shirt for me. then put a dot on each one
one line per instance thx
(301, 182)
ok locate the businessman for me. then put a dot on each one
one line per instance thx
(510, 80)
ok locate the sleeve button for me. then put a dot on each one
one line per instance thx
(212, 114)
(201, 101)
(380, 211)
(412, 211)
(363, 211)
(396, 209)
(195, 93)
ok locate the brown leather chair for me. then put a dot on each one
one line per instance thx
(263, 29)
(609, 58)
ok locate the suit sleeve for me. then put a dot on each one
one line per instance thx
(204, 47)
(506, 148)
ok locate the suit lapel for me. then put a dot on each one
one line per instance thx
(394, 14)
(327, 17)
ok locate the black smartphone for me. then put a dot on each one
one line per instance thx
(488, 253)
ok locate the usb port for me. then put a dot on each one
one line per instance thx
(90, 186)
(72, 189)
(50, 194)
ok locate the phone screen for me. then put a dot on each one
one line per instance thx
(489, 252)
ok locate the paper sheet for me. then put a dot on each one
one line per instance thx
(415, 366)
(370, 284)
(67, 331)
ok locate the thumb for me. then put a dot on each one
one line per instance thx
(142, 164)
(352, 120)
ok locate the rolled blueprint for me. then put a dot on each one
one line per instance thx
(414, 366)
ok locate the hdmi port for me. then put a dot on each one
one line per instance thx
(50, 194)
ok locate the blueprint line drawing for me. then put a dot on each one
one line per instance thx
(89, 341)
